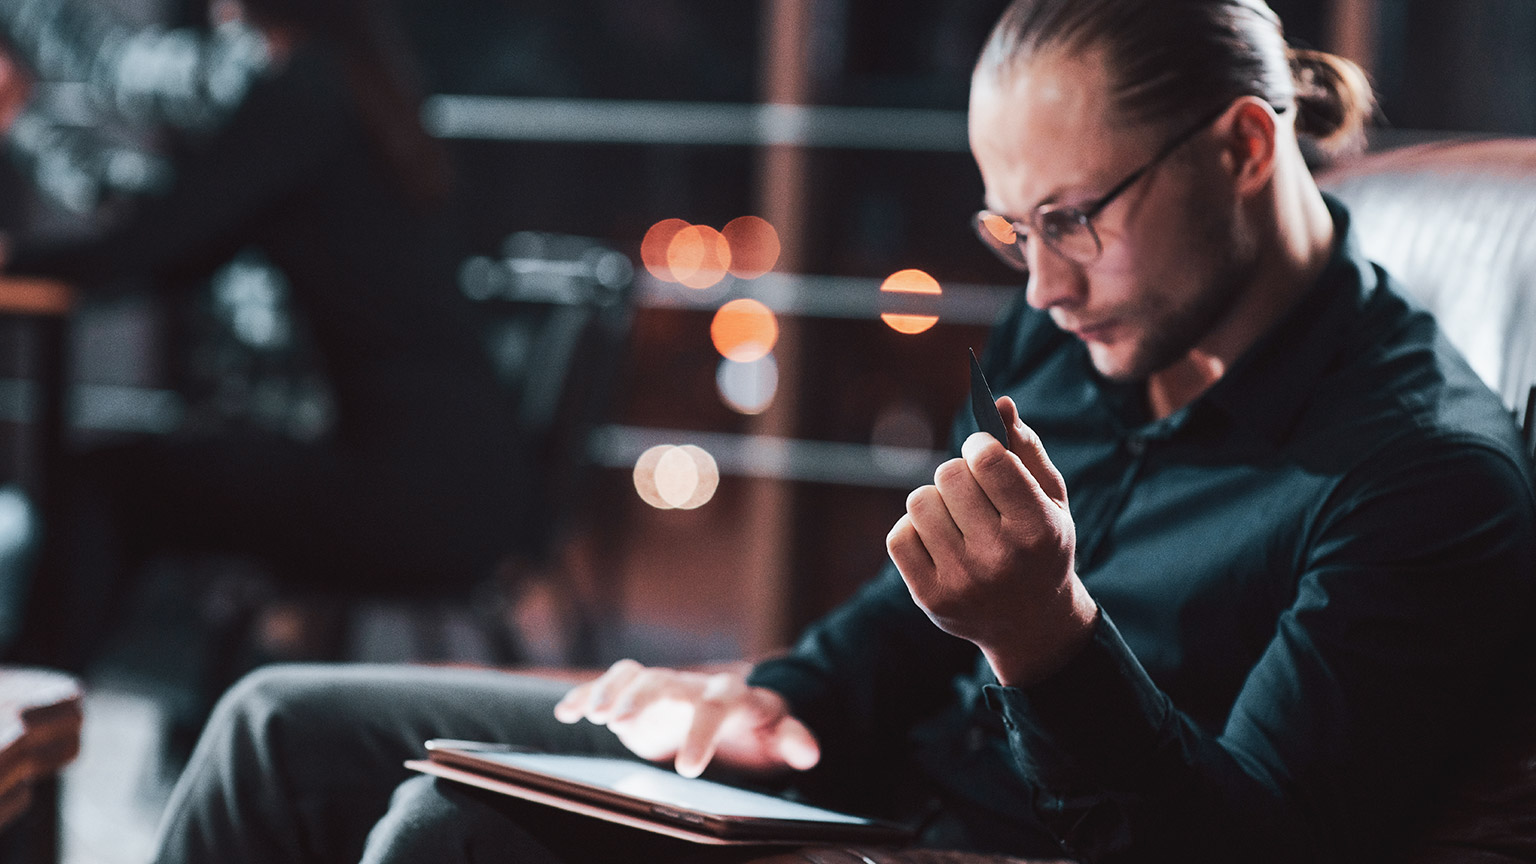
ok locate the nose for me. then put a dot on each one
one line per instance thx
(1053, 279)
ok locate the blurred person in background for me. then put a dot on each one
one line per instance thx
(1293, 575)
(321, 164)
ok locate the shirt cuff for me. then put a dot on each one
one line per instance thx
(1093, 726)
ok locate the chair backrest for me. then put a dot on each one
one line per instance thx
(558, 311)
(1456, 224)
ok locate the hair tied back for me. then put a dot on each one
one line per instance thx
(1333, 100)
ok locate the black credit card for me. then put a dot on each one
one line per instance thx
(984, 406)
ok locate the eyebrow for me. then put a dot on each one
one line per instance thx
(1051, 198)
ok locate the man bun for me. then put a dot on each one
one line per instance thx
(1333, 100)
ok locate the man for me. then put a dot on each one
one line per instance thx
(1258, 549)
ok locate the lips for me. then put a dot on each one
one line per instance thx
(1099, 332)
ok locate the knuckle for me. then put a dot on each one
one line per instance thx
(922, 498)
(950, 471)
(992, 460)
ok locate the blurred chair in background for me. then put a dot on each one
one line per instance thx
(309, 155)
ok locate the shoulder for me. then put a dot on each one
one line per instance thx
(1412, 435)
(1399, 387)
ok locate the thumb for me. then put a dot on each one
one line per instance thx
(796, 745)
(1025, 444)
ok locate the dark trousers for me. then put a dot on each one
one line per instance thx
(303, 764)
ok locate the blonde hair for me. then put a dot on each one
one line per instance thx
(1174, 60)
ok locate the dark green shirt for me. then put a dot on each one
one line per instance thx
(1313, 579)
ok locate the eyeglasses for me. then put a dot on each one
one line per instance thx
(1068, 230)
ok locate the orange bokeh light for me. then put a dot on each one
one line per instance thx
(910, 282)
(698, 256)
(1000, 229)
(744, 330)
(754, 246)
(653, 249)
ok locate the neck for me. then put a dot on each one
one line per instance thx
(1299, 232)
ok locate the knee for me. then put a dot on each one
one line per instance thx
(432, 820)
(416, 826)
(268, 700)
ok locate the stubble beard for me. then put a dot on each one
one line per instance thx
(1173, 331)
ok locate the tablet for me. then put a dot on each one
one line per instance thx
(646, 796)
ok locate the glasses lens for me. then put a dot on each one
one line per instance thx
(1001, 237)
(1068, 231)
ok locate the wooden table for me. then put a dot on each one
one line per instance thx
(40, 720)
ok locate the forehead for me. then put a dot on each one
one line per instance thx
(1046, 130)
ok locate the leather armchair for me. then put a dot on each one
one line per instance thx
(1456, 223)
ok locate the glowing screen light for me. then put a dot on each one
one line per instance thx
(744, 330)
(653, 249)
(698, 256)
(748, 388)
(754, 246)
(668, 477)
(910, 282)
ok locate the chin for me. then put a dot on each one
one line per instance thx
(1117, 363)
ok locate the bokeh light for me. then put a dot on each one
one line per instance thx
(653, 249)
(668, 477)
(910, 282)
(754, 246)
(698, 256)
(677, 476)
(748, 388)
(645, 476)
(902, 437)
(744, 330)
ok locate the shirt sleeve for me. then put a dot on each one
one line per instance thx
(281, 137)
(1411, 595)
(867, 670)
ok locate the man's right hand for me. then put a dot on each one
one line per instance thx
(693, 718)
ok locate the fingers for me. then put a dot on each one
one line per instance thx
(722, 693)
(909, 554)
(967, 504)
(796, 745)
(1024, 443)
(594, 699)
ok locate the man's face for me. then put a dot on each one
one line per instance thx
(1049, 133)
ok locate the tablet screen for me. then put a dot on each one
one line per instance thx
(668, 788)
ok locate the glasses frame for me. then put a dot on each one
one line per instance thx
(1014, 253)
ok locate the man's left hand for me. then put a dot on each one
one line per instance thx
(987, 551)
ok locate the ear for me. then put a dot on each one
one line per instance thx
(1247, 134)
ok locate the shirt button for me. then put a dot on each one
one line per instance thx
(1136, 445)
(975, 739)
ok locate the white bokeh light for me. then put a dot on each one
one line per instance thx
(748, 388)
